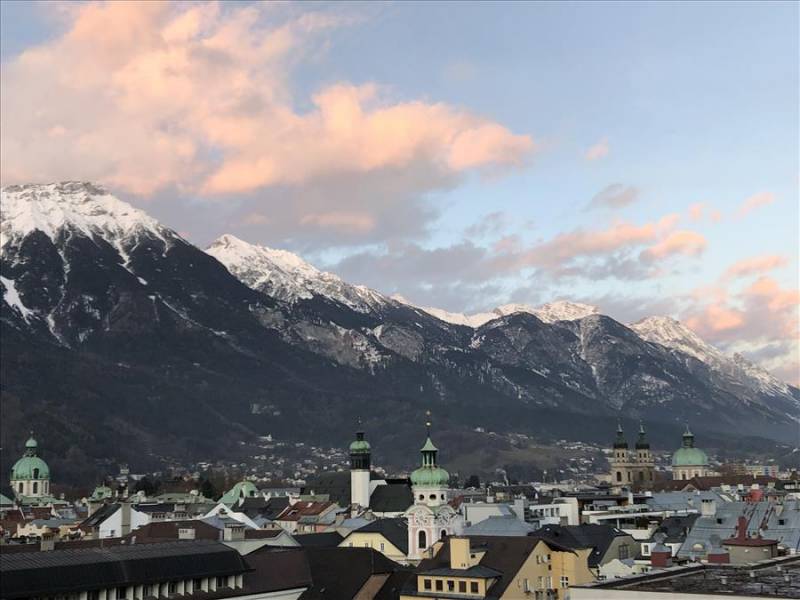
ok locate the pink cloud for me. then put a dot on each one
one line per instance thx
(696, 211)
(155, 95)
(761, 319)
(598, 150)
(347, 222)
(754, 266)
(753, 202)
(688, 243)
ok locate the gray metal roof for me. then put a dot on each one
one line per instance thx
(27, 574)
(500, 525)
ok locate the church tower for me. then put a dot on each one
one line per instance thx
(644, 458)
(360, 458)
(620, 463)
(430, 518)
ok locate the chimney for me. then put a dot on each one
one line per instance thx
(48, 542)
(125, 526)
(233, 533)
(660, 554)
(459, 553)
(708, 507)
(741, 528)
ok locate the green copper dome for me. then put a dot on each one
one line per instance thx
(430, 477)
(30, 466)
(688, 455)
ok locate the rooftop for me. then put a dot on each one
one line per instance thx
(776, 578)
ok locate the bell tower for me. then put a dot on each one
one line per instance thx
(360, 459)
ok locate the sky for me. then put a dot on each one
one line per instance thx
(642, 157)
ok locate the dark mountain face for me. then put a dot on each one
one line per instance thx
(133, 345)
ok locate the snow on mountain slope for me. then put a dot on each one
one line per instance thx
(675, 335)
(549, 313)
(73, 205)
(564, 311)
(288, 277)
(473, 321)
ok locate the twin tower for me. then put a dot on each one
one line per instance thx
(635, 467)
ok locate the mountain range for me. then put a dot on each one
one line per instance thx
(123, 341)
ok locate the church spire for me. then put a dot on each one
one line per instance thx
(641, 442)
(620, 442)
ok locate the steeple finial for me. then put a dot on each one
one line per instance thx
(428, 421)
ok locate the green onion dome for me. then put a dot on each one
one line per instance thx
(430, 474)
(430, 477)
(360, 445)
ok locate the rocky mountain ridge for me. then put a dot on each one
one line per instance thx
(121, 338)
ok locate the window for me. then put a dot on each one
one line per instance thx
(122, 592)
(619, 476)
(20, 488)
(422, 540)
(422, 496)
(438, 584)
(451, 585)
(462, 587)
(222, 582)
(443, 534)
(172, 587)
(623, 551)
(35, 487)
(426, 583)
(442, 496)
(197, 585)
(646, 549)
(433, 496)
(473, 587)
(36, 473)
(382, 546)
(147, 590)
(564, 582)
(93, 595)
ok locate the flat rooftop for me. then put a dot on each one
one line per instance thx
(775, 578)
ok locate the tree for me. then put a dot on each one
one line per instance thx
(208, 490)
(472, 482)
(145, 485)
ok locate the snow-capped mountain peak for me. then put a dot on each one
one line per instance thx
(80, 206)
(286, 276)
(673, 334)
(561, 310)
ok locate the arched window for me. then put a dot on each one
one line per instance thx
(20, 488)
(443, 534)
(422, 540)
(35, 487)
(36, 473)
